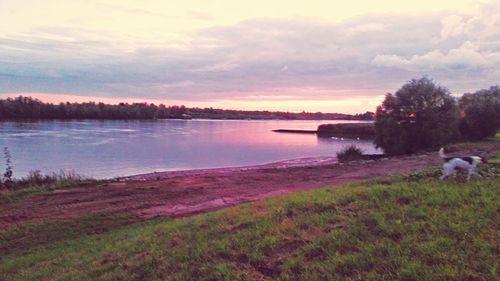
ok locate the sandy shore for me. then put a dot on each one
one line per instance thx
(298, 162)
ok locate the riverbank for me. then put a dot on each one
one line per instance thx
(181, 193)
(400, 227)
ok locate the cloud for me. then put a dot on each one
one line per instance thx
(227, 66)
(369, 27)
(483, 25)
(466, 57)
(452, 26)
(200, 16)
(361, 56)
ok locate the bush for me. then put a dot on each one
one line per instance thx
(420, 115)
(349, 153)
(481, 112)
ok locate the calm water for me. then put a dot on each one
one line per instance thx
(106, 149)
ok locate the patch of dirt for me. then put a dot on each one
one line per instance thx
(186, 192)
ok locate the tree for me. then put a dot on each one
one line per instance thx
(420, 115)
(481, 114)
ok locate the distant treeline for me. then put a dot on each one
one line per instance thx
(28, 107)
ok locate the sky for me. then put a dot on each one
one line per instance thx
(329, 56)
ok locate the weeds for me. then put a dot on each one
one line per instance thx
(38, 183)
(6, 181)
(36, 178)
(349, 153)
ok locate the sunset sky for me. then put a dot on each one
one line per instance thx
(330, 56)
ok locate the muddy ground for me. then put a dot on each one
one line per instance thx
(186, 192)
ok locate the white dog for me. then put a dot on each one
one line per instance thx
(467, 163)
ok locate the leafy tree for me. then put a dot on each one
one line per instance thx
(420, 115)
(481, 113)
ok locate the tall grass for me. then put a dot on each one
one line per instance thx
(36, 183)
(37, 178)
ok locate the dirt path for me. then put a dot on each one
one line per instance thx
(185, 192)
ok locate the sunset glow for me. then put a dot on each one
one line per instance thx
(329, 56)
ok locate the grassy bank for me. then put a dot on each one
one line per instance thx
(411, 227)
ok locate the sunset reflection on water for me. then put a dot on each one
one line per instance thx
(105, 149)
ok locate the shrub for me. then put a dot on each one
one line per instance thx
(349, 153)
(420, 115)
(481, 112)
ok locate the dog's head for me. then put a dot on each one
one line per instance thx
(478, 160)
(484, 160)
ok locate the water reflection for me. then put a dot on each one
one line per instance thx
(105, 149)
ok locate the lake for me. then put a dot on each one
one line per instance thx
(111, 148)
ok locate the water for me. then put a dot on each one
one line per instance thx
(107, 149)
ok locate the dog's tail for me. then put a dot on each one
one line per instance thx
(441, 153)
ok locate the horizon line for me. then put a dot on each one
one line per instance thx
(216, 104)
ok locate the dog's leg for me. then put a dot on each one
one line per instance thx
(444, 174)
(446, 171)
(472, 171)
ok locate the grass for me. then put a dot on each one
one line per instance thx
(37, 183)
(24, 238)
(474, 145)
(410, 227)
(495, 159)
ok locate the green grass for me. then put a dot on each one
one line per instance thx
(410, 227)
(37, 183)
(24, 238)
(475, 144)
(495, 159)
(30, 189)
